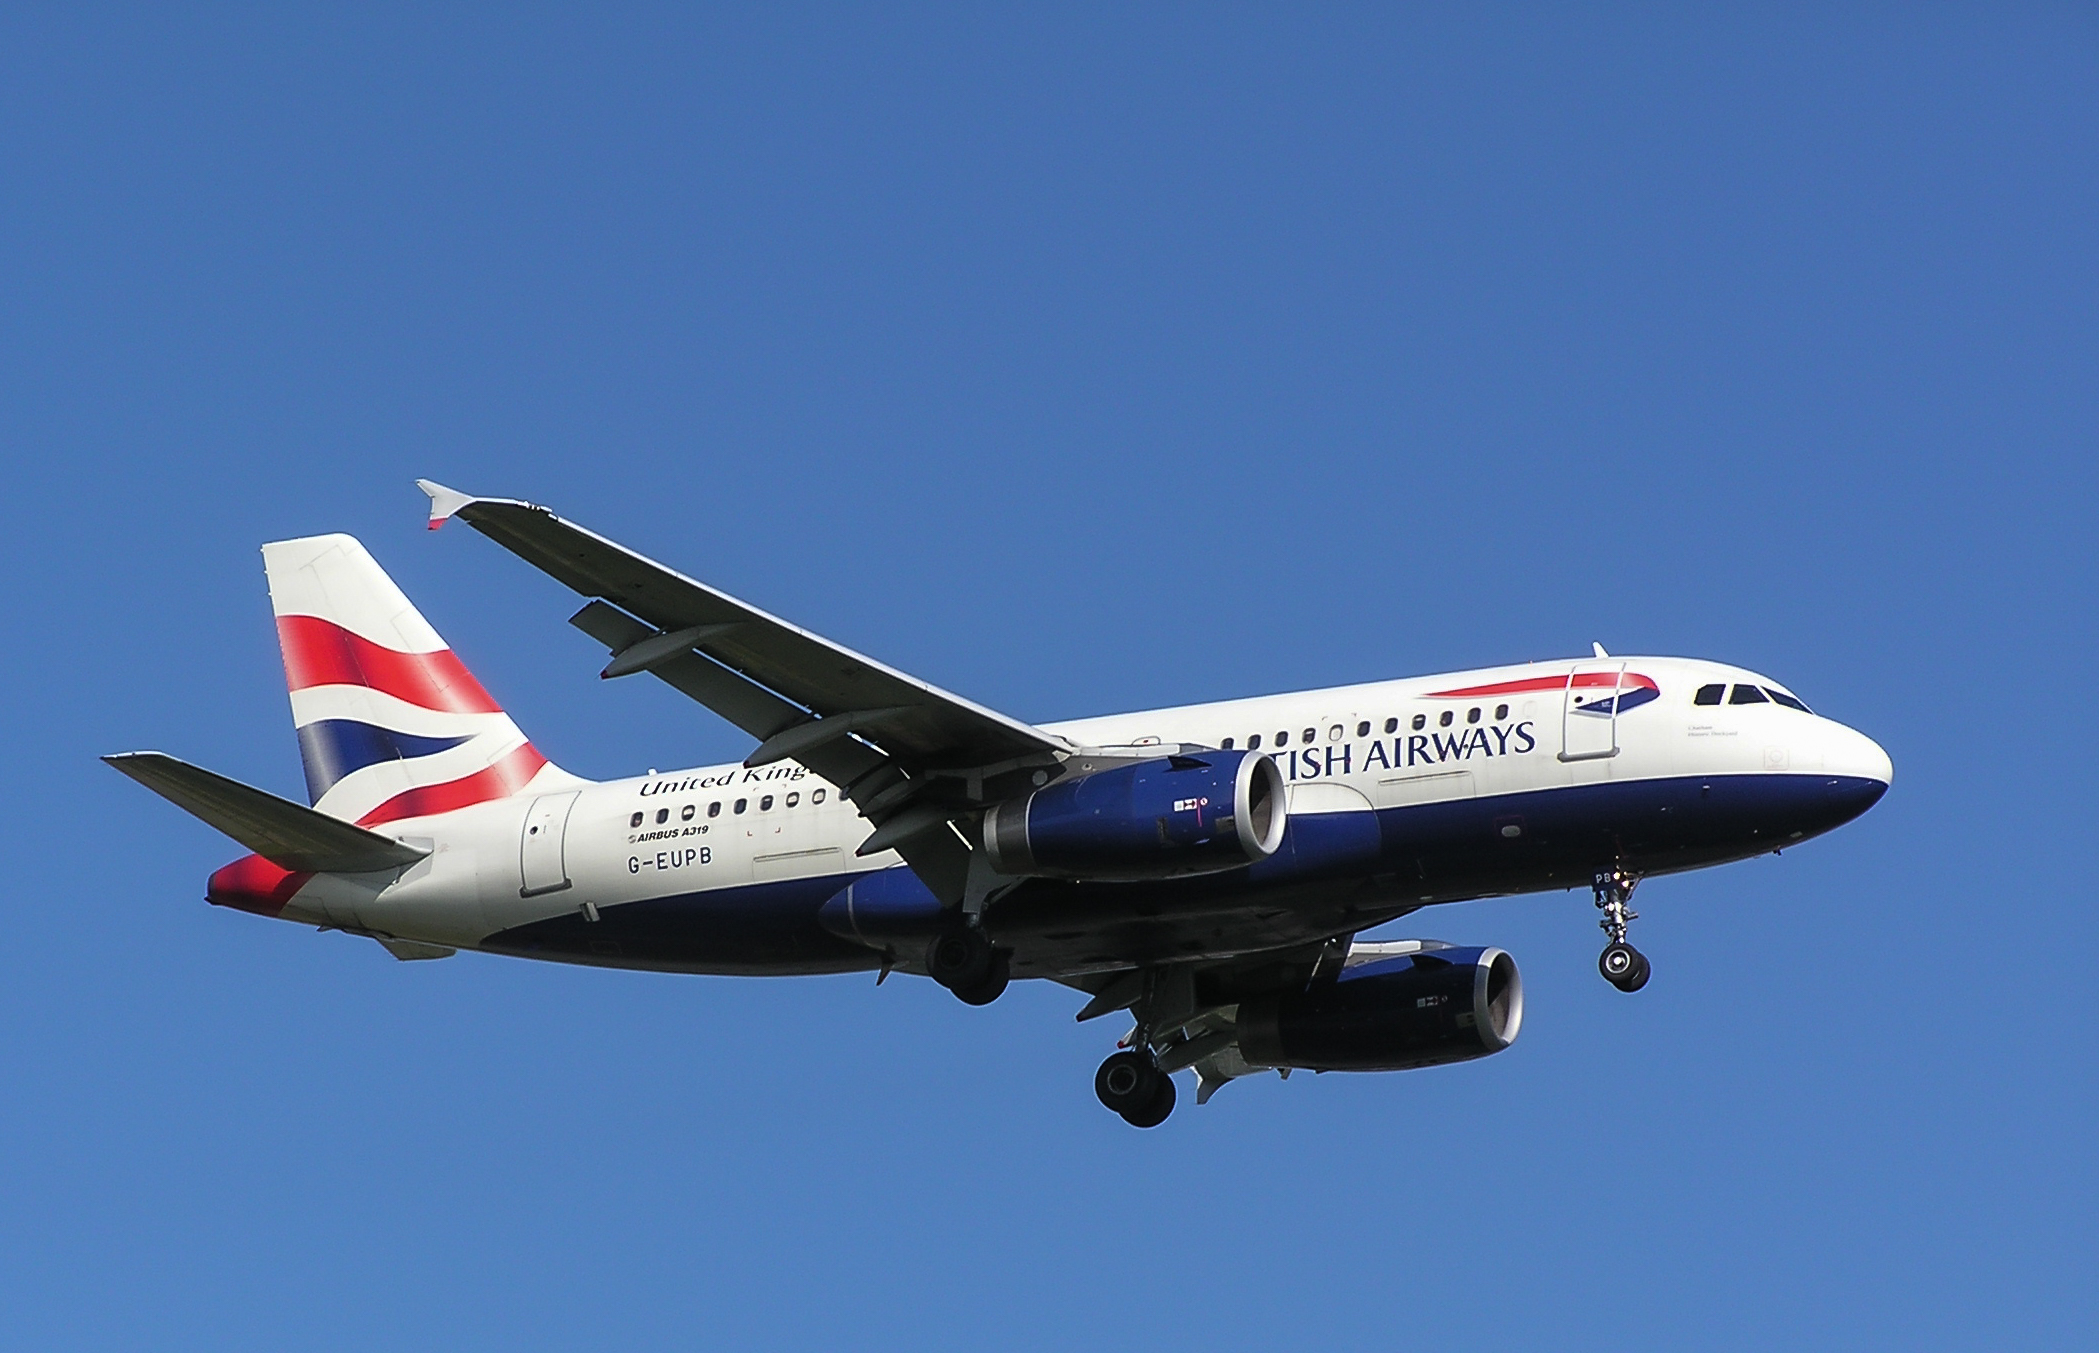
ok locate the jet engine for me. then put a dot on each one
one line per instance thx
(1193, 813)
(1389, 1011)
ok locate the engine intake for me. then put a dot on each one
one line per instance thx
(1195, 813)
(1389, 1011)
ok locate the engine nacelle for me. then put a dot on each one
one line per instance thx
(1389, 1011)
(1194, 813)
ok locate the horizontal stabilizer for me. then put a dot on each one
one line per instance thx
(286, 834)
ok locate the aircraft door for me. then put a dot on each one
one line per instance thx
(542, 855)
(1589, 711)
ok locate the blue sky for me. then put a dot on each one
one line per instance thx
(1080, 359)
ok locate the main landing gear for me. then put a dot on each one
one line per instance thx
(1131, 1084)
(1623, 966)
(966, 962)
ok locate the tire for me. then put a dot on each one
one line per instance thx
(1127, 1083)
(1161, 1105)
(994, 984)
(1623, 966)
(961, 959)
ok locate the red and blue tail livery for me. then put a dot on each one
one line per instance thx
(391, 724)
(1216, 873)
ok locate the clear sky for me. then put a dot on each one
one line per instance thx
(1077, 359)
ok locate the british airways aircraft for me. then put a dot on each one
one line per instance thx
(1206, 869)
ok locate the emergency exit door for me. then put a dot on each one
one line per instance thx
(542, 854)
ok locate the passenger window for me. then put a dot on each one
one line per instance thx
(1334, 734)
(714, 809)
(741, 804)
(1747, 695)
(793, 799)
(1500, 712)
(816, 796)
(765, 805)
(1282, 739)
(1363, 729)
(1311, 734)
(1472, 715)
(1420, 722)
(1709, 695)
(1228, 744)
(1253, 744)
(1788, 701)
(685, 813)
(1444, 721)
(634, 821)
(663, 815)
(1391, 725)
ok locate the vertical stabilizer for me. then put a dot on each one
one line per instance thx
(391, 724)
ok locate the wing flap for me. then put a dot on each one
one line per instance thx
(932, 850)
(287, 834)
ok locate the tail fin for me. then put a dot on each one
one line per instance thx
(391, 724)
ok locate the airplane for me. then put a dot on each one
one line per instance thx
(1209, 870)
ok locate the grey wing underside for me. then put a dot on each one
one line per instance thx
(913, 758)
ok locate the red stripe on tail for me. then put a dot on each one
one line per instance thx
(500, 781)
(318, 652)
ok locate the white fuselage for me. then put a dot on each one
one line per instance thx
(1378, 747)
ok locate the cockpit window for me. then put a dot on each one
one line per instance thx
(1710, 695)
(1747, 695)
(1788, 701)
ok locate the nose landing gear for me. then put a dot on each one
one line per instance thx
(1623, 966)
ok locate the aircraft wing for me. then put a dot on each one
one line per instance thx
(910, 755)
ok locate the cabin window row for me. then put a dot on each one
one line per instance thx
(714, 809)
(1746, 694)
(1338, 731)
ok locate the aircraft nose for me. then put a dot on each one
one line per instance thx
(1853, 754)
(1859, 771)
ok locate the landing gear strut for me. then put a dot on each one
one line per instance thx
(965, 962)
(1623, 966)
(1131, 1084)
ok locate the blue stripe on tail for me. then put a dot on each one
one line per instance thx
(333, 748)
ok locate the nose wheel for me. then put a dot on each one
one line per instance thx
(1131, 1084)
(1623, 966)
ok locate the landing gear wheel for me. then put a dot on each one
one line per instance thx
(1624, 967)
(1161, 1105)
(992, 986)
(962, 960)
(1127, 1083)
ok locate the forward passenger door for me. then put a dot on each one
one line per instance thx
(1589, 711)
